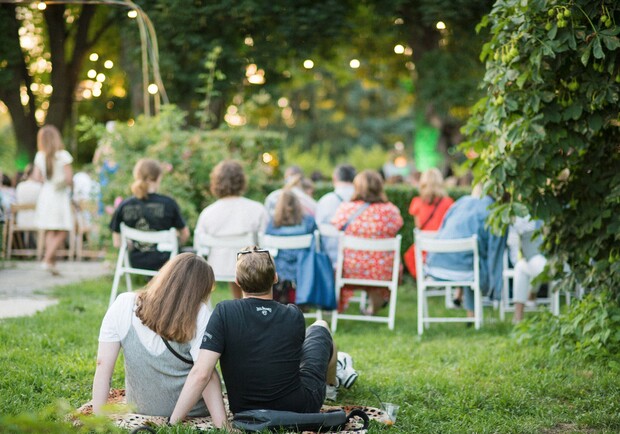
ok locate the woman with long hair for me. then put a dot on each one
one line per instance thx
(369, 214)
(147, 210)
(52, 166)
(160, 331)
(288, 219)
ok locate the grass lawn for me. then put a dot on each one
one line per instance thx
(453, 380)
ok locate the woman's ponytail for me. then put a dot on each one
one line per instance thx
(146, 170)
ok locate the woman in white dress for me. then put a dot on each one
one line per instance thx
(52, 166)
(230, 215)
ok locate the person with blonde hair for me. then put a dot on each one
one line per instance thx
(148, 210)
(288, 219)
(427, 209)
(160, 331)
(369, 214)
(52, 166)
(231, 214)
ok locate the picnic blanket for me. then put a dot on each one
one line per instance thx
(131, 421)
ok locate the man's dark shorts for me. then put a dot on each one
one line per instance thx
(316, 352)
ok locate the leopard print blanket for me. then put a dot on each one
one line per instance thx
(131, 421)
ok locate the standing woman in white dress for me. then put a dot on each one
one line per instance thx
(52, 166)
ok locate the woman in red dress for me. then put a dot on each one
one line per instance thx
(368, 215)
(427, 209)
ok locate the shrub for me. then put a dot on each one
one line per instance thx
(188, 156)
(590, 329)
(547, 133)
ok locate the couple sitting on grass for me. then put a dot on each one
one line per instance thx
(172, 342)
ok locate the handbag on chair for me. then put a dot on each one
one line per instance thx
(315, 280)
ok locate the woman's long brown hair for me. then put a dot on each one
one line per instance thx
(171, 301)
(49, 141)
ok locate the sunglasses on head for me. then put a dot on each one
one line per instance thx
(245, 252)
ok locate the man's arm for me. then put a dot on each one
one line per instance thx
(196, 382)
(212, 396)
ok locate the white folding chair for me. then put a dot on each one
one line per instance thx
(507, 304)
(349, 242)
(166, 242)
(275, 243)
(433, 245)
(446, 293)
(203, 243)
(19, 246)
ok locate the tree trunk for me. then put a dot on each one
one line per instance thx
(12, 78)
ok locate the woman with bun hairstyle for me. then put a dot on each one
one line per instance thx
(147, 210)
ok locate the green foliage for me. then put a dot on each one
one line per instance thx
(188, 156)
(589, 330)
(547, 132)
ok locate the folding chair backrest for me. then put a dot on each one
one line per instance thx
(203, 243)
(274, 243)
(166, 241)
(426, 244)
(349, 242)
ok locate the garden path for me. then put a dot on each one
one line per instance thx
(25, 287)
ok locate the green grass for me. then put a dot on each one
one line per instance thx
(452, 380)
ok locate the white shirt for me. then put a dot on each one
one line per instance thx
(27, 192)
(121, 315)
(234, 215)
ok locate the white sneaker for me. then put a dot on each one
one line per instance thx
(344, 370)
(331, 392)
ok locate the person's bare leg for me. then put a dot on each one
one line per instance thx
(376, 300)
(518, 316)
(235, 290)
(53, 241)
(331, 367)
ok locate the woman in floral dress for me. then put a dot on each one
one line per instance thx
(368, 215)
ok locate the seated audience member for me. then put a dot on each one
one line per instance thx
(342, 178)
(8, 192)
(467, 217)
(147, 210)
(427, 209)
(269, 360)
(232, 214)
(288, 220)
(369, 214)
(293, 177)
(524, 249)
(27, 192)
(160, 331)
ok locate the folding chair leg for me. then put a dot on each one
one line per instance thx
(421, 310)
(477, 309)
(392, 308)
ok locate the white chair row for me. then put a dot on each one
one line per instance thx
(167, 241)
(28, 240)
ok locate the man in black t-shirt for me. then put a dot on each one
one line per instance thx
(268, 359)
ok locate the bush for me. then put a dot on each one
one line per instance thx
(547, 133)
(188, 156)
(589, 330)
